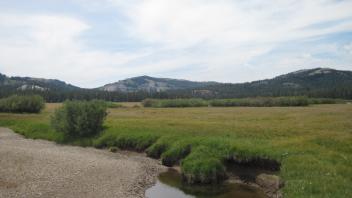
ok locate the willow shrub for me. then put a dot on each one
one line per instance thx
(79, 118)
(22, 104)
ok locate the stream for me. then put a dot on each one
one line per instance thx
(170, 185)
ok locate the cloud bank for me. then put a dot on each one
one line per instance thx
(90, 43)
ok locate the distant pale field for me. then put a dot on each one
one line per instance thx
(314, 143)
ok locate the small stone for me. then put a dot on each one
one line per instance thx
(271, 184)
(113, 149)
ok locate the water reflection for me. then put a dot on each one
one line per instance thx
(170, 185)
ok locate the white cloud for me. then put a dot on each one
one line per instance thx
(220, 37)
(348, 47)
(225, 35)
(186, 22)
(49, 46)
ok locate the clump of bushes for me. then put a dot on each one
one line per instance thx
(79, 118)
(22, 104)
(239, 102)
(193, 102)
(261, 102)
(324, 101)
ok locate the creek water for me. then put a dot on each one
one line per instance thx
(170, 185)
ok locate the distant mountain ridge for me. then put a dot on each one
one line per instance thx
(152, 84)
(317, 82)
(39, 84)
(303, 82)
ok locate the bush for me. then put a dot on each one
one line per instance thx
(79, 118)
(22, 104)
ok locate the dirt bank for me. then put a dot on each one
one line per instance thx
(38, 168)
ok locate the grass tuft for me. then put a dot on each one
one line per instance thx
(203, 166)
(176, 152)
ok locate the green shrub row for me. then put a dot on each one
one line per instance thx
(325, 101)
(239, 102)
(175, 103)
(261, 102)
(22, 104)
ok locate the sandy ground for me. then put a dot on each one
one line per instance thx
(38, 168)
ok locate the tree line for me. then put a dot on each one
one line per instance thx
(211, 92)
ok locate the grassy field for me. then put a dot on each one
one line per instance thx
(313, 144)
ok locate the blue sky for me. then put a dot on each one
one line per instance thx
(90, 43)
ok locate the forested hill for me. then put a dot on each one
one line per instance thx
(151, 84)
(28, 83)
(318, 82)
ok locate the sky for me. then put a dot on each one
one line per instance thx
(89, 43)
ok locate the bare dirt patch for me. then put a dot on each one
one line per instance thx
(38, 168)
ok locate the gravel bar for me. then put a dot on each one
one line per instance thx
(39, 168)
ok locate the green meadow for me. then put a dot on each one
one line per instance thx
(312, 143)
